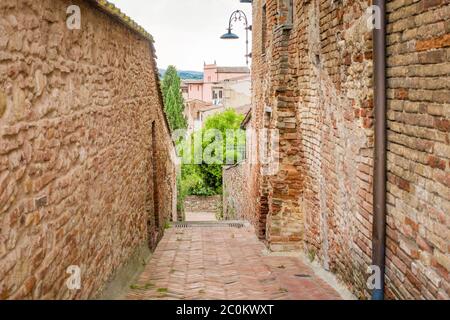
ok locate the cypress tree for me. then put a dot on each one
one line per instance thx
(173, 99)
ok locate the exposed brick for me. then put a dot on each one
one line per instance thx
(436, 162)
(430, 3)
(443, 41)
(432, 57)
(443, 124)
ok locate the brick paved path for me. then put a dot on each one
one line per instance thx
(224, 263)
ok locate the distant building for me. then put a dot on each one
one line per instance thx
(220, 89)
(193, 113)
(237, 93)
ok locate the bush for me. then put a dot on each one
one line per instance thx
(206, 179)
(194, 183)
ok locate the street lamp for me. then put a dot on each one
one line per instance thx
(236, 16)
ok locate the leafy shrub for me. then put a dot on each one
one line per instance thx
(205, 179)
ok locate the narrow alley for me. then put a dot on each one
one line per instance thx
(143, 156)
(224, 261)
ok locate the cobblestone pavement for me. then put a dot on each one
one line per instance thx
(215, 263)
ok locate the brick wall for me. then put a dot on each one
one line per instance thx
(418, 261)
(77, 155)
(319, 91)
(316, 76)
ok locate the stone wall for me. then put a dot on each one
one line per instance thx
(315, 75)
(82, 134)
(243, 195)
(202, 204)
(235, 185)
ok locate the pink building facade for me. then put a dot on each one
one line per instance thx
(209, 89)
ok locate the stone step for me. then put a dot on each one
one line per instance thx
(211, 224)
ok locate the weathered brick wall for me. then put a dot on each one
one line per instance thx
(319, 90)
(335, 125)
(271, 87)
(76, 159)
(316, 76)
(418, 260)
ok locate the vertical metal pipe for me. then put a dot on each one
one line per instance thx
(380, 165)
(246, 41)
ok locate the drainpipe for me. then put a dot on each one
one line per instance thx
(380, 165)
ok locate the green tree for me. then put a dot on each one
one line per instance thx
(174, 109)
(224, 142)
(173, 99)
(228, 124)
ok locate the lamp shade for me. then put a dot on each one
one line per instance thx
(229, 36)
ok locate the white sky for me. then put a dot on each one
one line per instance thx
(187, 32)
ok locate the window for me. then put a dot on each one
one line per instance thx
(291, 10)
(286, 12)
(220, 94)
(264, 28)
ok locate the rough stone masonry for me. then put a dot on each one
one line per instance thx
(86, 170)
(312, 80)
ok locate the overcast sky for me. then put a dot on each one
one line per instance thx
(187, 32)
